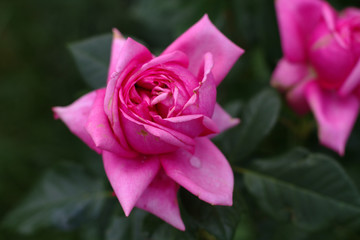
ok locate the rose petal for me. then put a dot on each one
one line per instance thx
(206, 173)
(99, 129)
(147, 138)
(204, 96)
(287, 74)
(351, 12)
(175, 57)
(352, 80)
(335, 115)
(131, 56)
(190, 125)
(116, 124)
(296, 19)
(296, 98)
(116, 46)
(331, 58)
(75, 117)
(223, 120)
(329, 15)
(204, 37)
(189, 81)
(130, 177)
(160, 199)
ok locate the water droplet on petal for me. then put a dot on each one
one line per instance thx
(195, 162)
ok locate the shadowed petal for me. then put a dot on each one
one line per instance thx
(160, 199)
(130, 177)
(296, 98)
(352, 80)
(100, 130)
(335, 115)
(287, 74)
(75, 117)
(204, 37)
(206, 173)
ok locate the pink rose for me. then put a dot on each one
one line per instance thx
(320, 70)
(151, 121)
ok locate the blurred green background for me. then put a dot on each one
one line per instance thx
(37, 72)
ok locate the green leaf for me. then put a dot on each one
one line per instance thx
(258, 117)
(261, 70)
(65, 197)
(311, 190)
(92, 58)
(211, 222)
(245, 231)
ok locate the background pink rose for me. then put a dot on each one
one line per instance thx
(151, 121)
(320, 70)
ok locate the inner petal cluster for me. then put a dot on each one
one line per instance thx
(156, 92)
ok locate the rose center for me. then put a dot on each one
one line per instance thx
(155, 92)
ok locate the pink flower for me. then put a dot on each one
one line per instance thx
(320, 70)
(151, 121)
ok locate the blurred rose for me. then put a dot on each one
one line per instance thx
(320, 70)
(151, 121)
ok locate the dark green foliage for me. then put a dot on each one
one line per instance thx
(257, 117)
(310, 190)
(92, 58)
(53, 187)
(65, 197)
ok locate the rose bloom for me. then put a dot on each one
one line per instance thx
(152, 120)
(320, 70)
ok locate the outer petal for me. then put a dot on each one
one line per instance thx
(296, 19)
(335, 115)
(297, 99)
(329, 15)
(204, 37)
(206, 173)
(116, 124)
(130, 177)
(223, 120)
(351, 12)
(204, 96)
(116, 46)
(99, 129)
(75, 117)
(287, 74)
(160, 199)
